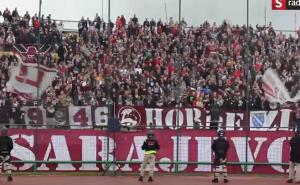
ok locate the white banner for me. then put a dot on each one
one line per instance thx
(26, 77)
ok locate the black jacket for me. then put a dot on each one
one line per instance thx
(6, 145)
(220, 147)
(150, 144)
(295, 149)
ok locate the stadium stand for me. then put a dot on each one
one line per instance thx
(152, 63)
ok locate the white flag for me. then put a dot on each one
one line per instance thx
(26, 77)
(275, 90)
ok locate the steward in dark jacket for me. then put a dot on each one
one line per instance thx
(220, 148)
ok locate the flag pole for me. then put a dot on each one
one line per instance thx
(38, 49)
(102, 9)
(179, 10)
(296, 23)
(166, 11)
(247, 59)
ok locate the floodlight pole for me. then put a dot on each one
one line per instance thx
(179, 11)
(247, 15)
(178, 93)
(38, 68)
(102, 9)
(108, 17)
(247, 61)
(166, 11)
(108, 163)
(265, 14)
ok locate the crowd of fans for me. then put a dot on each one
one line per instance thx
(16, 29)
(154, 63)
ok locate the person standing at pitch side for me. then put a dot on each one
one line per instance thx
(220, 148)
(6, 145)
(294, 167)
(150, 146)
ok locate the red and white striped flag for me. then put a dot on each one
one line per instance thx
(275, 90)
(26, 77)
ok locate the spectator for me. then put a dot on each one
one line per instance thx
(135, 20)
(7, 15)
(15, 14)
(294, 175)
(215, 114)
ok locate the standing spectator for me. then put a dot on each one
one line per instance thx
(220, 148)
(294, 167)
(150, 146)
(111, 26)
(4, 116)
(214, 116)
(35, 22)
(48, 19)
(1, 18)
(10, 39)
(183, 23)
(98, 22)
(27, 18)
(152, 24)
(6, 15)
(17, 114)
(135, 20)
(15, 14)
(123, 21)
(6, 146)
(297, 114)
(146, 23)
(118, 22)
(81, 25)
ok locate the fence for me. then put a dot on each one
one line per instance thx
(185, 150)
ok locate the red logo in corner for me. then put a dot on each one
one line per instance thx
(278, 4)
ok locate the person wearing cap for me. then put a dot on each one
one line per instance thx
(220, 148)
(6, 145)
(150, 146)
(294, 164)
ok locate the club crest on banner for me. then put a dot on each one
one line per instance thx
(29, 51)
(129, 116)
(258, 120)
